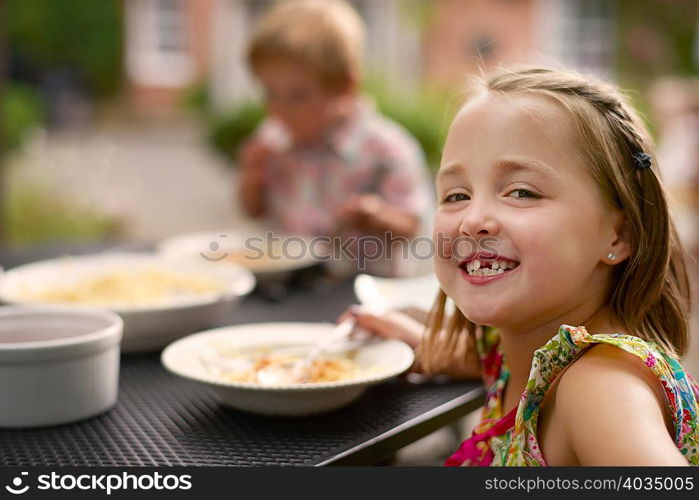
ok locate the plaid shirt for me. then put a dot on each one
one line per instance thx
(367, 153)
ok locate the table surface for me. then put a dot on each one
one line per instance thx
(161, 419)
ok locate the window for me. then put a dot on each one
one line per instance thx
(581, 33)
(170, 28)
(157, 43)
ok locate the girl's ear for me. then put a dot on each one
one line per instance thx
(620, 250)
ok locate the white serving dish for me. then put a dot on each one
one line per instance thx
(383, 360)
(57, 365)
(146, 327)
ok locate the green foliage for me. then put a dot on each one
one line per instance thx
(656, 38)
(83, 35)
(35, 215)
(195, 98)
(227, 133)
(426, 115)
(21, 110)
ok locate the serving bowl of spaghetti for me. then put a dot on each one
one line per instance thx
(159, 299)
(264, 368)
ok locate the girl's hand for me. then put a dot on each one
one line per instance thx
(389, 325)
(401, 326)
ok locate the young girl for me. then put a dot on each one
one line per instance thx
(568, 276)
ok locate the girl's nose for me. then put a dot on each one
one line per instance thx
(479, 221)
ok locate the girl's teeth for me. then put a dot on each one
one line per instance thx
(484, 271)
(473, 268)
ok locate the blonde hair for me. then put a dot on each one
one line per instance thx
(326, 36)
(650, 294)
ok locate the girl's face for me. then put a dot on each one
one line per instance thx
(516, 197)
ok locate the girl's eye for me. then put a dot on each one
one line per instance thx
(454, 197)
(523, 193)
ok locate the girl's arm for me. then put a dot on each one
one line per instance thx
(612, 411)
(401, 326)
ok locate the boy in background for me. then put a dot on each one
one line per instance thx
(324, 162)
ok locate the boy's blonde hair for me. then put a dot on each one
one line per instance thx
(325, 36)
(650, 294)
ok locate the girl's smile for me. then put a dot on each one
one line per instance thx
(483, 268)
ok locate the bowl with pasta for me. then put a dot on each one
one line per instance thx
(159, 299)
(264, 368)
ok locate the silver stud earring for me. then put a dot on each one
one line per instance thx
(611, 256)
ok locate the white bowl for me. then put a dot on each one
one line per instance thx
(381, 361)
(299, 252)
(146, 327)
(57, 364)
(397, 293)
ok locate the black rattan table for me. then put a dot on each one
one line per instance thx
(163, 420)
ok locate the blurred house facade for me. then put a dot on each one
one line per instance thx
(465, 34)
(174, 44)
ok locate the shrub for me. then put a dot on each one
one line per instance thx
(21, 111)
(33, 214)
(228, 132)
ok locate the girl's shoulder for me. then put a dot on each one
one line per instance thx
(622, 399)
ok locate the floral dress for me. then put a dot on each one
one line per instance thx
(511, 439)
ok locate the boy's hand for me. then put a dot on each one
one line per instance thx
(362, 212)
(372, 214)
(253, 158)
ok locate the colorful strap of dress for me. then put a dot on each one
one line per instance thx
(476, 450)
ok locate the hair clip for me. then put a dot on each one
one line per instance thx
(641, 160)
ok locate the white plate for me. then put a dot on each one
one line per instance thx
(290, 252)
(146, 327)
(381, 361)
